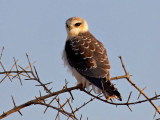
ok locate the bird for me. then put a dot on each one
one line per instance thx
(86, 59)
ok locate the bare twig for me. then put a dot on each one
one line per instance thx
(15, 105)
(131, 103)
(17, 71)
(31, 102)
(141, 93)
(84, 104)
(7, 74)
(38, 80)
(33, 75)
(47, 105)
(129, 80)
(2, 52)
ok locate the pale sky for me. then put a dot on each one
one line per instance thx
(127, 28)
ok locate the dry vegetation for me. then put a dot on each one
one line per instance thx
(30, 73)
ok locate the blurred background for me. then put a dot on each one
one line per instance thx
(127, 28)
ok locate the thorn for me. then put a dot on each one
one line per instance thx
(155, 93)
(81, 117)
(141, 93)
(2, 52)
(16, 106)
(49, 104)
(7, 74)
(129, 108)
(13, 101)
(71, 95)
(20, 113)
(66, 81)
(156, 112)
(44, 84)
(39, 100)
(50, 89)
(24, 71)
(129, 97)
(30, 79)
(40, 93)
(90, 91)
(17, 71)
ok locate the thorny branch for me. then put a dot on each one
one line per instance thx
(16, 72)
(141, 91)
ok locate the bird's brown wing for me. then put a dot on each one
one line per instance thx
(87, 55)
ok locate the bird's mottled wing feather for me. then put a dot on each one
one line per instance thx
(87, 55)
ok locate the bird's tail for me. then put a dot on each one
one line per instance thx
(110, 91)
(106, 86)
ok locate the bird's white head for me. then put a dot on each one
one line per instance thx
(76, 25)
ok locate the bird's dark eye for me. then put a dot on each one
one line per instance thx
(78, 24)
(67, 25)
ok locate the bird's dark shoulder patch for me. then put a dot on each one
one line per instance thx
(87, 55)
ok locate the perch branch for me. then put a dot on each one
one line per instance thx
(31, 102)
(141, 91)
(33, 75)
